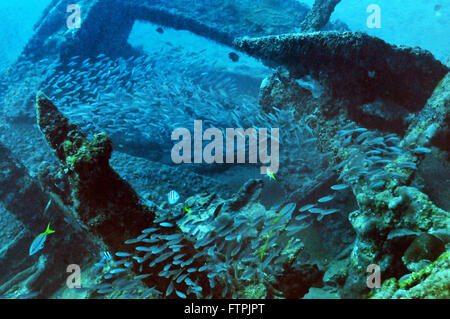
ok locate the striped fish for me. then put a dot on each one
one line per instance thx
(173, 197)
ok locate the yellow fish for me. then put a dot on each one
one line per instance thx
(38, 242)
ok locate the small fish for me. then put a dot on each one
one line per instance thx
(149, 230)
(106, 256)
(339, 187)
(301, 217)
(143, 248)
(270, 174)
(377, 184)
(165, 224)
(139, 277)
(181, 278)
(286, 210)
(187, 210)
(47, 207)
(347, 141)
(180, 294)
(397, 175)
(169, 289)
(230, 237)
(309, 140)
(330, 211)
(233, 56)
(293, 229)
(118, 270)
(306, 207)
(316, 211)
(364, 135)
(38, 242)
(409, 165)
(173, 197)
(189, 282)
(339, 166)
(421, 150)
(325, 199)
(131, 241)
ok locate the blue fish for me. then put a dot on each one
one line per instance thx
(38, 242)
(421, 150)
(180, 294)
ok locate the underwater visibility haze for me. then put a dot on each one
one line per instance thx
(253, 149)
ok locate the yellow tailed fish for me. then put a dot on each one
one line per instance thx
(188, 210)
